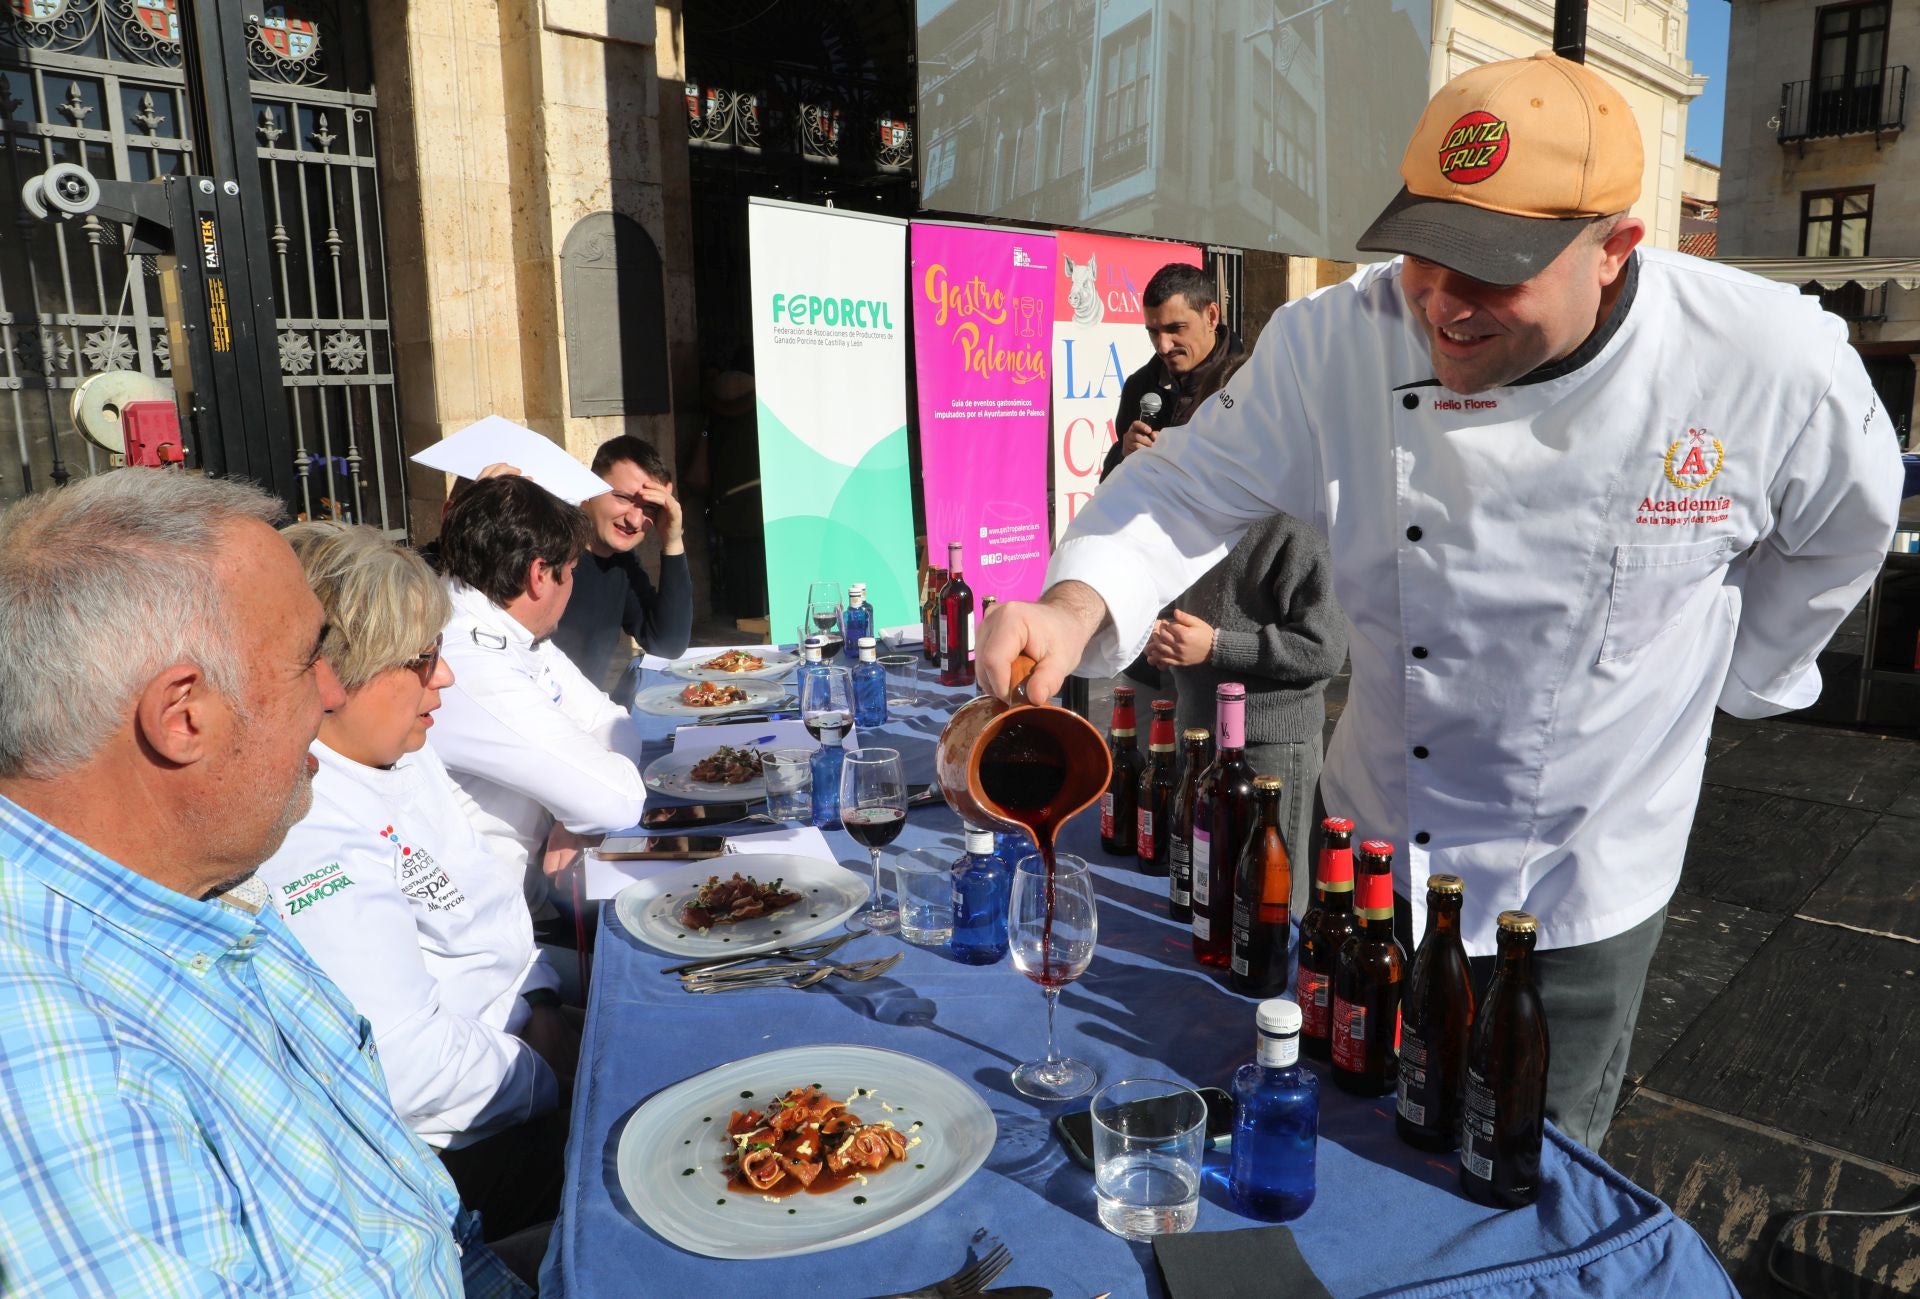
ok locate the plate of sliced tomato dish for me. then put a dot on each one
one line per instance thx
(800, 1150)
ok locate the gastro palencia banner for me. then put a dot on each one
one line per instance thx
(1099, 338)
(830, 357)
(982, 321)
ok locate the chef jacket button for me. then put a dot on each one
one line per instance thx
(1423, 837)
(1419, 750)
(1419, 651)
(1410, 401)
(1414, 533)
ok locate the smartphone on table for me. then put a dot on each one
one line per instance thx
(663, 847)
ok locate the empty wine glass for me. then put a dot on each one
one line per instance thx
(873, 809)
(1051, 929)
(823, 692)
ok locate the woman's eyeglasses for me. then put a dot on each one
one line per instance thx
(425, 662)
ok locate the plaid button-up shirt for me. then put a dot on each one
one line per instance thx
(188, 1106)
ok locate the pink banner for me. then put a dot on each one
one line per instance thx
(982, 326)
(1099, 338)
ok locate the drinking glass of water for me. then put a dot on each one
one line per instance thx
(925, 880)
(1149, 1142)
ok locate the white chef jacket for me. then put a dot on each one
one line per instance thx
(390, 889)
(530, 741)
(1549, 586)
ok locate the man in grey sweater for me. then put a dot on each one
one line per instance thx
(1264, 616)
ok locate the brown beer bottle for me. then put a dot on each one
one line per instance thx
(1326, 926)
(1156, 788)
(1262, 898)
(1195, 759)
(1504, 1114)
(1366, 984)
(1436, 1025)
(1119, 815)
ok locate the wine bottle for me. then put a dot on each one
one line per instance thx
(1119, 817)
(930, 615)
(1154, 793)
(1186, 805)
(956, 624)
(1228, 789)
(1262, 893)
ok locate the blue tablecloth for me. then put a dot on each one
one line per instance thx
(1387, 1220)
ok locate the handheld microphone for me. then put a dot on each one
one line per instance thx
(1150, 406)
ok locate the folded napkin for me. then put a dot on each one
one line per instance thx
(801, 841)
(1255, 1263)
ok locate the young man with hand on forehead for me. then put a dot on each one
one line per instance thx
(613, 597)
(1578, 495)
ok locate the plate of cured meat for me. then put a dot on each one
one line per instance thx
(728, 773)
(800, 1150)
(708, 698)
(739, 904)
(757, 664)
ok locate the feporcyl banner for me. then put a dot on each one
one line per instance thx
(830, 361)
(1099, 338)
(982, 321)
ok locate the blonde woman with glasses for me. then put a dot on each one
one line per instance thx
(393, 892)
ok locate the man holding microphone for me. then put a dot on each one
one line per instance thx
(1577, 493)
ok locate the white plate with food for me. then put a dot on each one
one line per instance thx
(708, 698)
(852, 1141)
(791, 899)
(753, 664)
(729, 773)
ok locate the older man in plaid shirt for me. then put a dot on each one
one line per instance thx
(187, 1105)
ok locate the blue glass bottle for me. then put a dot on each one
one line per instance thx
(856, 620)
(811, 664)
(982, 889)
(1276, 1121)
(869, 686)
(826, 764)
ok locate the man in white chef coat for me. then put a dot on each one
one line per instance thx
(1577, 493)
(545, 759)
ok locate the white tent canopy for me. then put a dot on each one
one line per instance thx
(1832, 272)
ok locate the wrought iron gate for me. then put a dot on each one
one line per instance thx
(104, 83)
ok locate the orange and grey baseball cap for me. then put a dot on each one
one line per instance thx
(1510, 162)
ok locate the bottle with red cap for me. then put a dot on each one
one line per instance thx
(1155, 793)
(1367, 982)
(1328, 924)
(1119, 806)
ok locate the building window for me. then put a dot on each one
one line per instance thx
(1836, 222)
(940, 162)
(1850, 42)
(1849, 67)
(1126, 85)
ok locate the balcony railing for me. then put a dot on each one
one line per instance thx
(1863, 102)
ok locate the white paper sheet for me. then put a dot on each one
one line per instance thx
(495, 440)
(697, 740)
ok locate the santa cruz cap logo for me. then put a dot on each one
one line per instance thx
(1474, 149)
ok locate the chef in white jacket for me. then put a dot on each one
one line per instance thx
(392, 890)
(544, 758)
(1577, 494)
